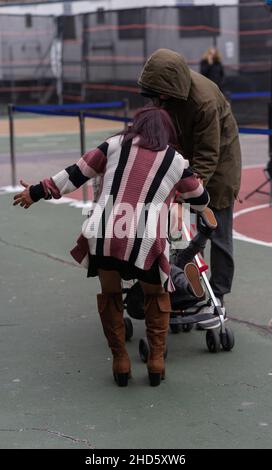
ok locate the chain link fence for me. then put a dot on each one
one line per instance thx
(99, 56)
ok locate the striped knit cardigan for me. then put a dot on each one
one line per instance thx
(132, 177)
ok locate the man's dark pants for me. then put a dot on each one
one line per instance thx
(222, 263)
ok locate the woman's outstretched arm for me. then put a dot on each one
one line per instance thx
(91, 164)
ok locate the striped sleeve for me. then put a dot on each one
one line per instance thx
(91, 164)
(192, 191)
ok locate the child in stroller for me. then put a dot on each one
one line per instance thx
(186, 279)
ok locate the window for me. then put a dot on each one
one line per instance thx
(66, 27)
(194, 17)
(28, 21)
(100, 15)
(126, 20)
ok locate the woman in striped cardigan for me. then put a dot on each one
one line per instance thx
(140, 173)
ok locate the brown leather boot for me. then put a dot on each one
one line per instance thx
(157, 315)
(110, 307)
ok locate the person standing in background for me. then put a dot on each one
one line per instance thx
(211, 66)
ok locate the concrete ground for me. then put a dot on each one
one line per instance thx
(57, 389)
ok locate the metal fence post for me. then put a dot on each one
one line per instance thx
(270, 126)
(84, 53)
(126, 111)
(11, 143)
(83, 150)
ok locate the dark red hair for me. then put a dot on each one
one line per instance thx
(154, 128)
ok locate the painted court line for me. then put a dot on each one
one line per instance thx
(239, 236)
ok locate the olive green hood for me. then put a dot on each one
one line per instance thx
(166, 72)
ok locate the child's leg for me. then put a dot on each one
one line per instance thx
(196, 245)
(207, 223)
(188, 286)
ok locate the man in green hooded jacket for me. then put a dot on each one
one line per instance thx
(208, 138)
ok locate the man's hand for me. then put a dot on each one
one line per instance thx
(23, 198)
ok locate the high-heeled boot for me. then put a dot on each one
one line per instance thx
(157, 314)
(110, 307)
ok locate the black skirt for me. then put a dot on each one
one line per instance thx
(126, 269)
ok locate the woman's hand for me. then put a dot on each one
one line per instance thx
(23, 198)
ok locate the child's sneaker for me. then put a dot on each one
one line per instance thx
(192, 275)
(209, 218)
(207, 222)
(213, 320)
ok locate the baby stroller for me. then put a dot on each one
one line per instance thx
(183, 316)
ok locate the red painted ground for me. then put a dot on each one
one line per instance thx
(256, 224)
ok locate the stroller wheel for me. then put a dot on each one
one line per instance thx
(213, 341)
(128, 328)
(227, 339)
(187, 327)
(175, 328)
(135, 302)
(143, 349)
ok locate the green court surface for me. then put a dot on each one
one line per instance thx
(57, 390)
